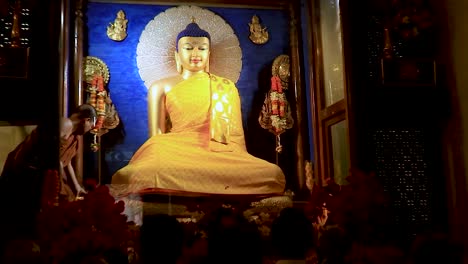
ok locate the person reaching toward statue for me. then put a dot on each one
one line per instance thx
(196, 139)
(25, 180)
(25, 160)
(79, 123)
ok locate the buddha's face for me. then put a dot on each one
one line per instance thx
(193, 53)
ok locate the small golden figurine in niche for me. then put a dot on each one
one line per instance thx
(118, 30)
(258, 34)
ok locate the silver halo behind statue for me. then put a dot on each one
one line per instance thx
(155, 50)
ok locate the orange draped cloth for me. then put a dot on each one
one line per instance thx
(68, 149)
(189, 158)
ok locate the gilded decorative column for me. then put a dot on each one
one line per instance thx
(64, 55)
(78, 37)
(77, 92)
(296, 86)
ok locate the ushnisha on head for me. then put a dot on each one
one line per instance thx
(192, 50)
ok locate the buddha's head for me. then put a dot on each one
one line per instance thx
(192, 49)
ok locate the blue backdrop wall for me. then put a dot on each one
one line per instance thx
(129, 93)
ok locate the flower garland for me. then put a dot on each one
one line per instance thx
(277, 99)
(92, 227)
(97, 98)
(276, 114)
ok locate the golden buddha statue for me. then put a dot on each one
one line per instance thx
(196, 139)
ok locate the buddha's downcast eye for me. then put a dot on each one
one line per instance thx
(188, 47)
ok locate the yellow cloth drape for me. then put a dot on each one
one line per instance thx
(222, 96)
(187, 158)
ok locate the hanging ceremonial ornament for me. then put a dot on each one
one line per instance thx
(276, 114)
(96, 78)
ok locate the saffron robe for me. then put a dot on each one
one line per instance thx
(188, 159)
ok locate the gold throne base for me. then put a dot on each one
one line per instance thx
(192, 206)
